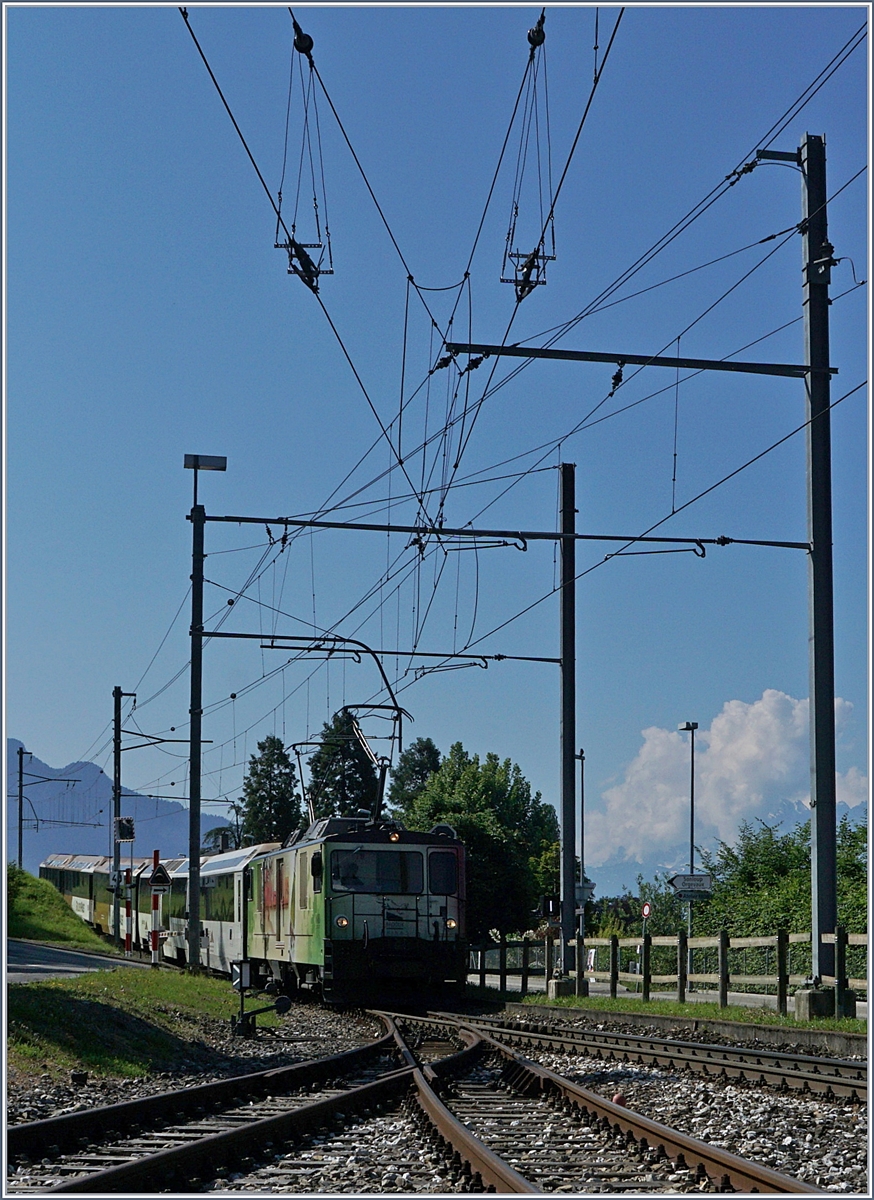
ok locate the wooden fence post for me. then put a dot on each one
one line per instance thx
(502, 964)
(782, 971)
(682, 961)
(722, 966)
(526, 951)
(614, 964)
(482, 965)
(645, 965)
(840, 970)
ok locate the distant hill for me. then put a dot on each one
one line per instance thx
(76, 818)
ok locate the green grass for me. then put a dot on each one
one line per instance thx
(667, 1008)
(36, 911)
(125, 1021)
(699, 1010)
(121, 1021)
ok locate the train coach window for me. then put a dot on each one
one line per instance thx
(443, 873)
(399, 872)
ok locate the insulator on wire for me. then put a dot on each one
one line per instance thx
(309, 253)
(531, 219)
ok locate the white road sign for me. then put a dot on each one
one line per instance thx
(692, 887)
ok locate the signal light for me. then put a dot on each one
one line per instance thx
(394, 836)
(342, 922)
(451, 923)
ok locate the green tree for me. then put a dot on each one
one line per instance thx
(212, 839)
(505, 831)
(546, 868)
(415, 767)
(342, 776)
(270, 803)
(761, 884)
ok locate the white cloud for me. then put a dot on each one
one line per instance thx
(753, 761)
(852, 788)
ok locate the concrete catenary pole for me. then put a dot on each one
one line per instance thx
(817, 263)
(568, 714)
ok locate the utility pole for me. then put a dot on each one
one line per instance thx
(21, 753)
(817, 261)
(568, 713)
(198, 521)
(34, 779)
(690, 727)
(116, 812)
(117, 694)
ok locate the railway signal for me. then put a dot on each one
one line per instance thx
(124, 829)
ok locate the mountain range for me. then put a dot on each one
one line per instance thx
(62, 817)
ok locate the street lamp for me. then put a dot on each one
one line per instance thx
(690, 727)
(195, 463)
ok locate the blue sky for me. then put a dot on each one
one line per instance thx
(149, 316)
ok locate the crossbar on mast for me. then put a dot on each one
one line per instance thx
(790, 370)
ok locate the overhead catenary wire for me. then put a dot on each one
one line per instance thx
(719, 483)
(790, 233)
(603, 417)
(743, 167)
(292, 242)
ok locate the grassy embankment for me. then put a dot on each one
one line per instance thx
(37, 912)
(123, 1021)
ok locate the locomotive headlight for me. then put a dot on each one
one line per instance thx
(451, 922)
(394, 837)
(342, 922)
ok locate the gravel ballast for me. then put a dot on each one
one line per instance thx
(307, 1032)
(821, 1142)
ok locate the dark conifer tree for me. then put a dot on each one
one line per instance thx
(342, 777)
(271, 804)
(415, 766)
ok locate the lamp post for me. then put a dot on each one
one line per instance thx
(197, 516)
(690, 727)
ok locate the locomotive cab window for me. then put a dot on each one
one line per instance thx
(443, 873)
(399, 872)
(316, 870)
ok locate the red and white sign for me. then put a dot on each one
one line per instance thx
(646, 910)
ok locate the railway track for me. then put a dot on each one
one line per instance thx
(810, 1074)
(411, 1112)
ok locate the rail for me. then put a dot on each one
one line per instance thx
(531, 958)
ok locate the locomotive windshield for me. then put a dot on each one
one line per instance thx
(391, 872)
(443, 872)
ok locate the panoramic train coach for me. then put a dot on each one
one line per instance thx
(84, 880)
(351, 908)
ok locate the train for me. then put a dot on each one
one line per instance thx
(350, 907)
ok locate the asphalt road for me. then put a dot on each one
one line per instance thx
(31, 962)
